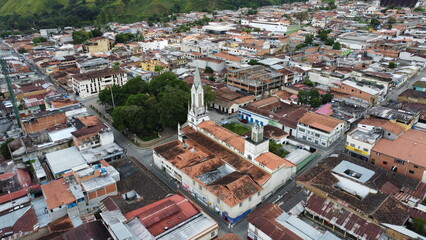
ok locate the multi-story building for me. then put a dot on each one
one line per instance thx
(154, 65)
(98, 44)
(223, 170)
(274, 27)
(364, 201)
(90, 83)
(319, 129)
(256, 80)
(359, 90)
(404, 155)
(80, 190)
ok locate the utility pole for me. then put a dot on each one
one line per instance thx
(9, 87)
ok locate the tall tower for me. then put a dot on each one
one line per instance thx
(197, 111)
(257, 144)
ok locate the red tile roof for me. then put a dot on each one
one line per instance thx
(164, 214)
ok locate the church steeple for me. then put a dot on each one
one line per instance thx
(197, 112)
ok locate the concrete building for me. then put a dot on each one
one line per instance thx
(361, 199)
(358, 40)
(359, 90)
(273, 27)
(174, 217)
(319, 129)
(79, 191)
(90, 83)
(221, 169)
(404, 155)
(256, 80)
(98, 44)
(93, 65)
(270, 222)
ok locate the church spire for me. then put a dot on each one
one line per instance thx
(197, 78)
(198, 111)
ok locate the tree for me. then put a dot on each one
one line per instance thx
(328, 97)
(159, 83)
(392, 65)
(135, 85)
(253, 62)
(277, 149)
(208, 70)
(38, 40)
(209, 95)
(309, 39)
(419, 225)
(212, 78)
(332, 5)
(300, 46)
(22, 50)
(5, 149)
(129, 117)
(323, 35)
(96, 32)
(124, 37)
(392, 20)
(329, 42)
(256, 30)
(173, 106)
(301, 16)
(374, 22)
(337, 46)
(308, 83)
(80, 36)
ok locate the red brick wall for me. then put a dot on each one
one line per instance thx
(44, 123)
(387, 162)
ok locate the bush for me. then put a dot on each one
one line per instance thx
(237, 128)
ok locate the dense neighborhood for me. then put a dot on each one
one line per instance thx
(304, 120)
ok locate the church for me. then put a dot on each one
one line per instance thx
(226, 172)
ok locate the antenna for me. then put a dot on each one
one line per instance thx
(9, 87)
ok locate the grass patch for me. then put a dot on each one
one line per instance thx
(292, 29)
(149, 137)
(237, 128)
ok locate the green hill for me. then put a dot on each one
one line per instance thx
(27, 14)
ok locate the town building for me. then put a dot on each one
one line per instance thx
(175, 217)
(97, 44)
(359, 90)
(319, 129)
(256, 80)
(270, 222)
(226, 172)
(277, 27)
(404, 155)
(344, 190)
(228, 101)
(78, 192)
(91, 83)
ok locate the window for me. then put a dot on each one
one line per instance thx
(411, 172)
(250, 199)
(377, 153)
(373, 161)
(399, 161)
(218, 200)
(241, 204)
(365, 149)
(199, 186)
(302, 130)
(352, 145)
(213, 234)
(385, 163)
(316, 135)
(258, 193)
(415, 166)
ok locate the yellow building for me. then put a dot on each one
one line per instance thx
(153, 65)
(98, 44)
